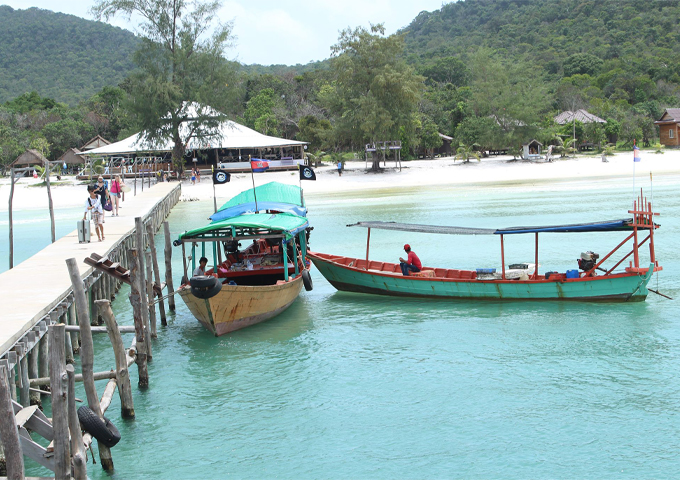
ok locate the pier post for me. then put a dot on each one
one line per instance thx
(87, 353)
(34, 397)
(24, 386)
(43, 355)
(122, 375)
(75, 342)
(139, 242)
(156, 272)
(67, 338)
(77, 447)
(168, 267)
(140, 334)
(12, 374)
(149, 296)
(14, 456)
(59, 385)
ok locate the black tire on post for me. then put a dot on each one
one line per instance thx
(307, 280)
(103, 430)
(205, 293)
(202, 281)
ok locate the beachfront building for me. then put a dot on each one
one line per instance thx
(93, 143)
(72, 158)
(582, 116)
(532, 150)
(231, 150)
(29, 158)
(668, 127)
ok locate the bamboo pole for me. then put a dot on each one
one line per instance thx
(149, 296)
(49, 199)
(104, 329)
(168, 266)
(11, 224)
(77, 447)
(59, 385)
(87, 354)
(14, 457)
(140, 334)
(156, 272)
(122, 375)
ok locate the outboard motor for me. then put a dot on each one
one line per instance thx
(588, 260)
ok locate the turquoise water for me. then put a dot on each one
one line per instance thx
(32, 231)
(354, 386)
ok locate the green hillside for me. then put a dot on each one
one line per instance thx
(60, 56)
(641, 37)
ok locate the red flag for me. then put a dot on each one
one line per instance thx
(258, 165)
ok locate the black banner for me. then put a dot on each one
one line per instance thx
(220, 177)
(306, 173)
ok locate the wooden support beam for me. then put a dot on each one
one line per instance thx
(122, 374)
(156, 272)
(140, 334)
(14, 456)
(59, 387)
(150, 295)
(43, 381)
(78, 452)
(87, 354)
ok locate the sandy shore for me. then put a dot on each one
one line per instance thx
(440, 172)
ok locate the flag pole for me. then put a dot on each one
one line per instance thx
(300, 182)
(214, 194)
(651, 189)
(633, 166)
(250, 160)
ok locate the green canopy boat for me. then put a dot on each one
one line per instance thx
(246, 286)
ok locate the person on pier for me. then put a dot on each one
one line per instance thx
(412, 262)
(94, 206)
(200, 270)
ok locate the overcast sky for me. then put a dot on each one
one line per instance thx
(282, 31)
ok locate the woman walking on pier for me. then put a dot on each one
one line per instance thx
(92, 204)
(102, 189)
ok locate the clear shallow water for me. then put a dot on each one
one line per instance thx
(355, 386)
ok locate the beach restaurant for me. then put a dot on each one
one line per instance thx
(231, 150)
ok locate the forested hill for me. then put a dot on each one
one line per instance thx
(638, 36)
(61, 56)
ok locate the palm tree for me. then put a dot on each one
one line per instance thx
(464, 152)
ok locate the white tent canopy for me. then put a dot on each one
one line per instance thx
(231, 136)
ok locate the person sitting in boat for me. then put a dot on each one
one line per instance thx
(412, 262)
(200, 270)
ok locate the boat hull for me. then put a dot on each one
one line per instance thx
(620, 287)
(240, 306)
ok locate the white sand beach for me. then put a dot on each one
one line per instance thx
(439, 172)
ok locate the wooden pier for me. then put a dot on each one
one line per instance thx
(41, 293)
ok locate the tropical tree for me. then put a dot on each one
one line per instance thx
(375, 91)
(181, 88)
(466, 152)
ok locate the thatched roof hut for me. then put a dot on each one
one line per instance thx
(72, 157)
(581, 115)
(95, 142)
(28, 158)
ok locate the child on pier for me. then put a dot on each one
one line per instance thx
(93, 205)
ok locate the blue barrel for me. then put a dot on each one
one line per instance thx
(572, 274)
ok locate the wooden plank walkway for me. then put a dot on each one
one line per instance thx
(35, 286)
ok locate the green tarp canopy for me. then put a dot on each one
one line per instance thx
(270, 196)
(250, 225)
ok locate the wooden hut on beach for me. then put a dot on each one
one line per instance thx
(668, 127)
(29, 158)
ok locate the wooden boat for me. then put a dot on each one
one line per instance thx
(586, 284)
(250, 285)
